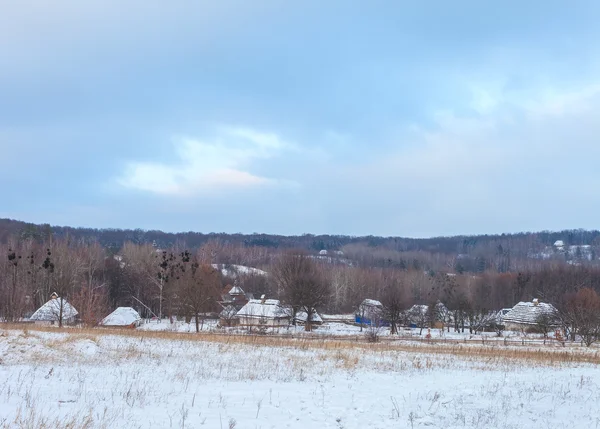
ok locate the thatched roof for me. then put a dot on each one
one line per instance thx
(528, 313)
(122, 316)
(50, 311)
(269, 309)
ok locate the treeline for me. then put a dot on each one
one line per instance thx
(461, 254)
(181, 282)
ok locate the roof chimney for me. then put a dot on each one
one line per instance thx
(263, 298)
(535, 301)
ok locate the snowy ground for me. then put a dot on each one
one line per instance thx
(339, 329)
(97, 379)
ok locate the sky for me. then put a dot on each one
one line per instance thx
(390, 118)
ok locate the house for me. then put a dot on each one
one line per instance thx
(122, 317)
(369, 312)
(315, 318)
(232, 300)
(500, 316)
(528, 315)
(227, 317)
(235, 296)
(50, 312)
(263, 313)
(419, 317)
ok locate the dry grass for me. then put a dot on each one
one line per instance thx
(485, 352)
(103, 377)
(30, 419)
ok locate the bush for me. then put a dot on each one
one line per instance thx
(372, 334)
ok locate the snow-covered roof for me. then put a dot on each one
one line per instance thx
(236, 290)
(440, 309)
(371, 303)
(270, 309)
(323, 252)
(228, 312)
(418, 309)
(315, 317)
(528, 312)
(122, 316)
(559, 243)
(50, 311)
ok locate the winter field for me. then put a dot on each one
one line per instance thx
(99, 378)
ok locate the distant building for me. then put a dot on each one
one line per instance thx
(50, 312)
(526, 315)
(315, 318)
(233, 299)
(369, 312)
(263, 312)
(235, 295)
(418, 316)
(500, 316)
(122, 317)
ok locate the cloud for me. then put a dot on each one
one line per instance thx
(516, 165)
(208, 166)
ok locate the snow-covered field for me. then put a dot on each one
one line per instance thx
(339, 329)
(102, 379)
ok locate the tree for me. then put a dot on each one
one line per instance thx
(92, 298)
(583, 311)
(12, 298)
(545, 322)
(418, 314)
(394, 300)
(63, 270)
(198, 286)
(303, 286)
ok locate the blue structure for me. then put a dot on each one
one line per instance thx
(366, 321)
(370, 312)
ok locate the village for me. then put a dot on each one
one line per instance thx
(243, 314)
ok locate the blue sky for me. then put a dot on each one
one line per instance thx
(387, 118)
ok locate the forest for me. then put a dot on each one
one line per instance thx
(176, 278)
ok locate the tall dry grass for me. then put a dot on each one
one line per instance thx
(495, 351)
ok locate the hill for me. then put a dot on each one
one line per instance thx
(465, 252)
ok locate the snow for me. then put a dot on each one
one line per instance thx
(137, 380)
(50, 311)
(528, 312)
(232, 270)
(236, 290)
(371, 302)
(208, 325)
(315, 317)
(122, 316)
(270, 309)
(559, 243)
(228, 312)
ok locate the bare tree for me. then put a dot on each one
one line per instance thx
(12, 298)
(303, 286)
(63, 270)
(394, 300)
(198, 286)
(545, 322)
(583, 310)
(92, 298)
(419, 315)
